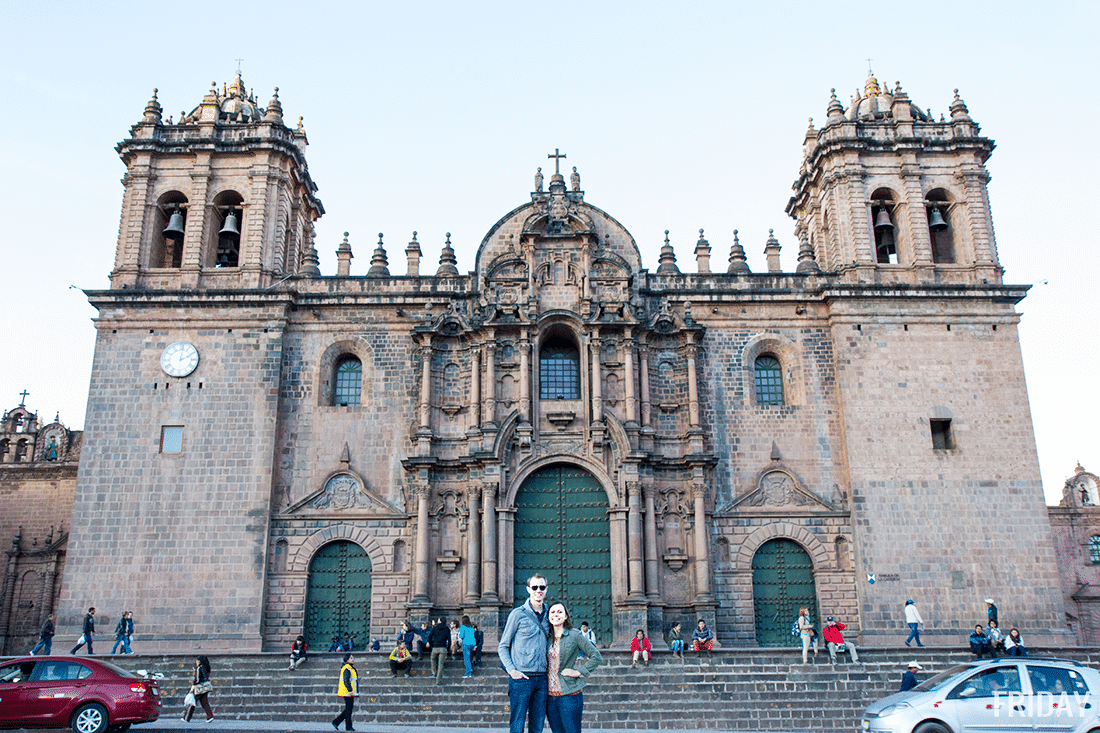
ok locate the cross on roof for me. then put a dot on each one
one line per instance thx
(239, 65)
(557, 157)
(23, 394)
(869, 66)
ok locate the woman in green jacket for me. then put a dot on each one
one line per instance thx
(565, 672)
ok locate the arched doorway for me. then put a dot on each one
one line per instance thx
(782, 582)
(562, 531)
(338, 597)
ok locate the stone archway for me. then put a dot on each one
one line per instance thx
(782, 582)
(562, 532)
(338, 595)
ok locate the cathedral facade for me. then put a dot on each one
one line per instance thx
(274, 450)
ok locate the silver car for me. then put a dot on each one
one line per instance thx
(1011, 694)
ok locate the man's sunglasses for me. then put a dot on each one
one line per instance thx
(537, 587)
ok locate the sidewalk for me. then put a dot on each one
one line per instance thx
(198, 724)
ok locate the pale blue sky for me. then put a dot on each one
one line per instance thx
(433, 117)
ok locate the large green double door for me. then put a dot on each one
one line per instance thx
(338, 597)
(782, 582)
(562, 532)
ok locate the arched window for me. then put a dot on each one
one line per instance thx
(347, 382)
(171, 221)
(559, 371)
(882, 208)
(1094, 549)
(769, 380)
(228, 220)
(938, 208)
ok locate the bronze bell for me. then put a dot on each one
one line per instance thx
(174, 229)
(230, 229)
(936, 222)
(882, 220)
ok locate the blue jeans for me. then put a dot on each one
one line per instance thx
(527, 701)
(467, 658)
(125, 641)
(43, 644)
(914, 633)
(564, 713)
(677, 645)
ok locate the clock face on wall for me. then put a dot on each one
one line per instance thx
(179, 359)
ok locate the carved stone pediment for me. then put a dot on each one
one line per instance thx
(344, 492)
(778, 488)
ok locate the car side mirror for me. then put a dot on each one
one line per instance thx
(968, 692)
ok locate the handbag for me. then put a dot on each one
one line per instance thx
(189, 701)
(82, 640)
(203, 688)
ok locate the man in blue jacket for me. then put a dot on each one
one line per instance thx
(522, 652)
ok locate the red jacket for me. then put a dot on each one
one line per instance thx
(646, 646)
(832, 633)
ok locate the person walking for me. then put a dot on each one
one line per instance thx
(348, 688)
(916, 623)
(45, 637)
(676, 641)
(522, 652)
(909, 678)
(466, 636)
(990, 611)
(88, 632)
(124, 630)
(571, 657)
(640, 648)
(438, 640)
(806, 632)
(298, 652)
(201, 686)
(834, 640)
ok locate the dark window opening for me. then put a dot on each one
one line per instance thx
(942, 437)
(559, 371)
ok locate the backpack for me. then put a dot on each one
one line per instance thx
(794, 628)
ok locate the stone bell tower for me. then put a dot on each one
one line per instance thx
(888, 194)
(221, 198)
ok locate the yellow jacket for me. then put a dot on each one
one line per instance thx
(349, 682)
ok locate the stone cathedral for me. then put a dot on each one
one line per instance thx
(271, 450)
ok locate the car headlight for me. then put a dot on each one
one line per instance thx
(894, 709)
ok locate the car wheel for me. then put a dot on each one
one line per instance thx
(932, 728)
(90, 718)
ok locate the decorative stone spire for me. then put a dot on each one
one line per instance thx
(412, 253)
(959, 112)
(667, 260)
(807, 262)
(871, 87)
(702, 254)
(447, 261)
(835, 110)
(274, 109)
(739, 264)
(211, 105)
(378, 261)
(343, 258)
(152, 111)
(771, 251)
(310, 261)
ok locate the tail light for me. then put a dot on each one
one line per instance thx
(138, 687)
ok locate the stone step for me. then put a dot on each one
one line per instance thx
(730, 689)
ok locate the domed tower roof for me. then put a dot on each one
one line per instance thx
(877, 102)
(238, 105)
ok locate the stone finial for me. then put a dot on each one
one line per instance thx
(211, 105)
(343, 258)
(771, 251)
(274, 109)
(412, 253)
(776, 455)
(447, 260)
(575, 180)
(152, 111)
(310, 261)
(959, 112)
(835, 110)
(667, 260)
(739, 264)
(538, 181)
(807, 262)
(378, 261)
(702, 253)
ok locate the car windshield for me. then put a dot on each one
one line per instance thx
(118, 670)
(940, 680)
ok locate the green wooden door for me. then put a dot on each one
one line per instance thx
(562, 532)
(338, 598)
(782, 582)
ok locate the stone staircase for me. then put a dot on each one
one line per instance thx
(752, 689)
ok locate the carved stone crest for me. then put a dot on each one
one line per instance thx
(342, 491)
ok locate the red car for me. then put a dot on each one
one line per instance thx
(88, 695)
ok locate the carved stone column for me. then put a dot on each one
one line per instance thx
(426, 386)
(628, 378)
(651, 560)
(693, 387)
(423, 492)
(475, 389)
(489, 542)
(473, 544)
(524, 377)
(597, 382)
(489, 414)
(506, 520)
(702, 559)
(643, 358)
(634, 541)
